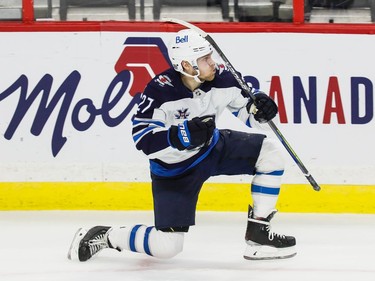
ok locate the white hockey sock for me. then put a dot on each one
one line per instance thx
(265, 190)
(142, 239)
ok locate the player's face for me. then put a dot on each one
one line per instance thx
(207, 67)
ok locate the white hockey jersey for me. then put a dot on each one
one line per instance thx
(166, 101)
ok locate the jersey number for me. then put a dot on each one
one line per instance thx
(146, 103)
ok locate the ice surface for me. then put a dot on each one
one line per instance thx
(34, 247)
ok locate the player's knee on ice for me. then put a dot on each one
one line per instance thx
(167, 244)
(148, 240)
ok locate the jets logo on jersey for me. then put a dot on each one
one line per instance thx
(164, 80)
(220, 67)
(182, 113)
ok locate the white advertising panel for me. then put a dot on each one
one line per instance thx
(67, 98)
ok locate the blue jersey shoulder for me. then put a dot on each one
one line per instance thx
(223, 79)
(167, 86)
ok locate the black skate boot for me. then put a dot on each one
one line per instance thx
(263, 244)
(87, 243)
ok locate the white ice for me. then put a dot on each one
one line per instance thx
(332, 247)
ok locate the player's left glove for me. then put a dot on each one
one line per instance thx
(263, 107)
(192, 133)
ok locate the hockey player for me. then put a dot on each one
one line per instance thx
(175, 128)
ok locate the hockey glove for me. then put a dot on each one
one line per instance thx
(192, 133)
(263, 107)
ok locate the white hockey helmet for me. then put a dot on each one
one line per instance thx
(188, 45)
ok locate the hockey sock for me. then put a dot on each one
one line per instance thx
(266, 183)
(265, 190)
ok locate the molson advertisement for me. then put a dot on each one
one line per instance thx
(67, 100)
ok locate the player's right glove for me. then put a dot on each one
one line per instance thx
(192, 133)
(263, 107)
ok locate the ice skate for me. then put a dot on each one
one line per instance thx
(87, 243)
(263, 244)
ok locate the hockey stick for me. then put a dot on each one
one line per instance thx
(246, 88)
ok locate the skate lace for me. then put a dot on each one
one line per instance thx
(97, 244)
(272, 235)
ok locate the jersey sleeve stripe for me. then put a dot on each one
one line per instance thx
(137, 122)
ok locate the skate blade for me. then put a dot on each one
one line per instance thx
(262, 252)
(74, 246)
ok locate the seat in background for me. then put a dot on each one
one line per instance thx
(263, 10)
(66, 4)
(159, 5)
(341, 11)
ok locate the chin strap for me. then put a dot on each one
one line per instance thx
(193, 76)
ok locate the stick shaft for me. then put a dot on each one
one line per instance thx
(246, 88)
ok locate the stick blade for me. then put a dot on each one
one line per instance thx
(186, 24)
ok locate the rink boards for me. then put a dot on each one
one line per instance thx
(67, 98)
(213, 197)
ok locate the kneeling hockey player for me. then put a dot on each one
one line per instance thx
(175, 128)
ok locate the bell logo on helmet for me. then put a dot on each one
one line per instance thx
(180, 39)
